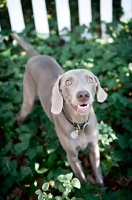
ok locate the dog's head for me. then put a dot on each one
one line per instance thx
(77, 88)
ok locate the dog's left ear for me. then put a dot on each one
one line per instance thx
(56, 99)
(101, 94)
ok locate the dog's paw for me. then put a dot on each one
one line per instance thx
(100, 183)
(19, 121)
(91, 179)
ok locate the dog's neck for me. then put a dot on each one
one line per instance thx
(74, 116)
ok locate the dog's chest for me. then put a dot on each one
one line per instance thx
(84, 137)
(80, 139)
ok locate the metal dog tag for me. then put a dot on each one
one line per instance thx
(74, 134)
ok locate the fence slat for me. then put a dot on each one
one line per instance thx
(106, 14)
(16, 15)
(85, 15)
(63, 15)
(127, 9)
(40, 17)
(106, 10)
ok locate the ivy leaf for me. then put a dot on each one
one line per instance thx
(44, 194)
(25, 138)
(40, 197)
(31, 153)
(58, 198)
(38, 192)
(68, 188)
(123, 141)
(76, 183)
(66, 183)
(45, 186)
(65, 178)
(52, 146)
(130, 142)
(8, 147)
(118, 155)
(25, 171)
(66, 192)
(19, 148)
(14, 167)
(69, 176)
(107, 164)
(67, 198)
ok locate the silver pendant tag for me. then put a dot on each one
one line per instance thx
(74, 134)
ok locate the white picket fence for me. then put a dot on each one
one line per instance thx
(63, 14)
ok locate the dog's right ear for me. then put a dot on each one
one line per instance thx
(56, 99)
(101, 94)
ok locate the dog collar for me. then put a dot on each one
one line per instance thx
(76, 125)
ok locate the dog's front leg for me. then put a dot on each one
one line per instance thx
(94, 156)
(76, 167)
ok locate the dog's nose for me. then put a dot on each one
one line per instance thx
(83, 95)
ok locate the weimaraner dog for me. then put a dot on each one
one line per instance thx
(67, 100)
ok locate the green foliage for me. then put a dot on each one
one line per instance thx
(106, 138)
(43, 195)
(107, 134)
(31, 155)
(68, 185)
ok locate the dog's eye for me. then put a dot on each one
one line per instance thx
(68, 82)
(90, 80)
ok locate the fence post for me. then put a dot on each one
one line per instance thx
(127, 9)
(40, 17)
(63, 15)
(16, 15)
(105, 15)
(85, 16)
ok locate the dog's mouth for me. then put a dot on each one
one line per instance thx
(83, 108)
(83, 105)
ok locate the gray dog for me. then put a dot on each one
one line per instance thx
(67, 100)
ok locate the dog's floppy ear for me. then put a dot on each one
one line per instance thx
(56, 99)
(101, 94)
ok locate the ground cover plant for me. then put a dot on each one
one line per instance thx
(31, 158)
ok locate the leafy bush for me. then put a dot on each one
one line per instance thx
(31, 155)
(66, 187)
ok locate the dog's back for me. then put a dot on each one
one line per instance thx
(45, 71)
(40, 75)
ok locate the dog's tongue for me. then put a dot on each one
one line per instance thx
(83, 109)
